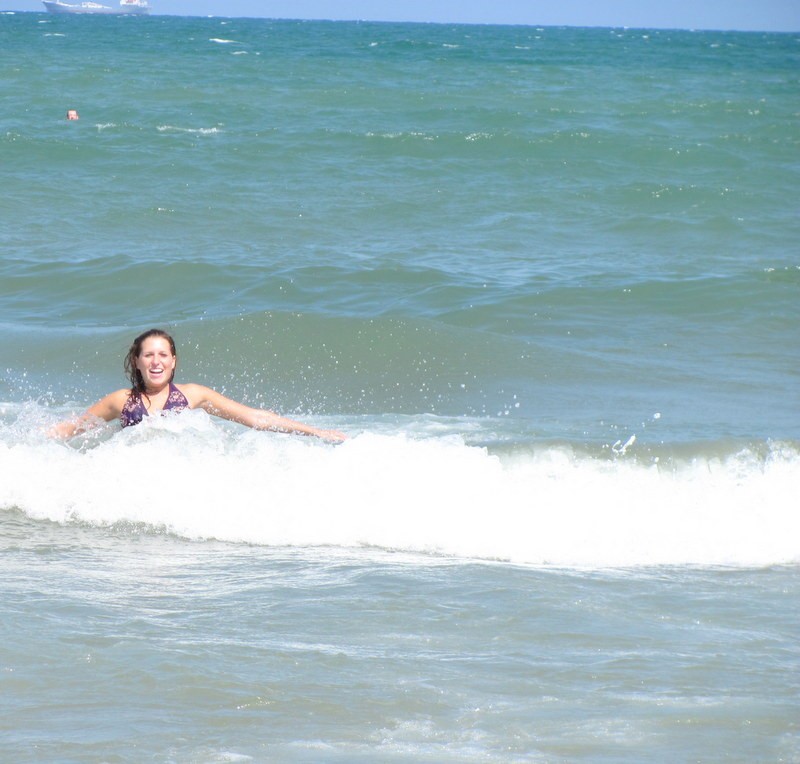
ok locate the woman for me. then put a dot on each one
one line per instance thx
(150, 365)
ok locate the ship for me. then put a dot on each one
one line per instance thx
(125, 7)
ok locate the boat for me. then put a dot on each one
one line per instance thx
(125, 7)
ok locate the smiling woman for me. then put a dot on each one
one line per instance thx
(150, 365)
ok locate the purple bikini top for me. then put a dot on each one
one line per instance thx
(134, 411)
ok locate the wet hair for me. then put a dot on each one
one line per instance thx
(134, 375)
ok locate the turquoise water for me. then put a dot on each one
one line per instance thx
(548, 280)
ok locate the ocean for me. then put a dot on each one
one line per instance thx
(546, 279)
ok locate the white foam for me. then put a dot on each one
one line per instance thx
(193, 130)
(203, 480)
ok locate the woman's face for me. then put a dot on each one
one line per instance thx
(155, 362)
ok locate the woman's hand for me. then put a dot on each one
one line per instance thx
(332, 436)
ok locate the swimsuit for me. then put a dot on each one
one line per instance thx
(134, 411)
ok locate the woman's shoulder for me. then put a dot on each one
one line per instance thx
(194, 393)
(200, 396)
(119, 396)
(190, 387)
(111, 405)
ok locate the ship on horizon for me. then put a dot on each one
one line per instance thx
(126, 7)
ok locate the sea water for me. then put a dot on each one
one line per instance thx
(548, 280)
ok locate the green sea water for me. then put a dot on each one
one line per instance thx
(547, 279)
(605, 215)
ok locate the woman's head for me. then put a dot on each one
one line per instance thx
(151, 359)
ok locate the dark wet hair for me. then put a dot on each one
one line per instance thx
(134, 375)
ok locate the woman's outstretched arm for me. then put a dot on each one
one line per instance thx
(105, 409)
(260, 419)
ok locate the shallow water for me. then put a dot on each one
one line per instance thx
(132, 645)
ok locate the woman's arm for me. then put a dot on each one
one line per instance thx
(260, 419)
(106, 409)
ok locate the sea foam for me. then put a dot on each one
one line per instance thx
(200, 479)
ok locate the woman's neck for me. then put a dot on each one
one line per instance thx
(151, 392)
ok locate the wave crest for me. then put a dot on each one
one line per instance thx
(551, 506)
